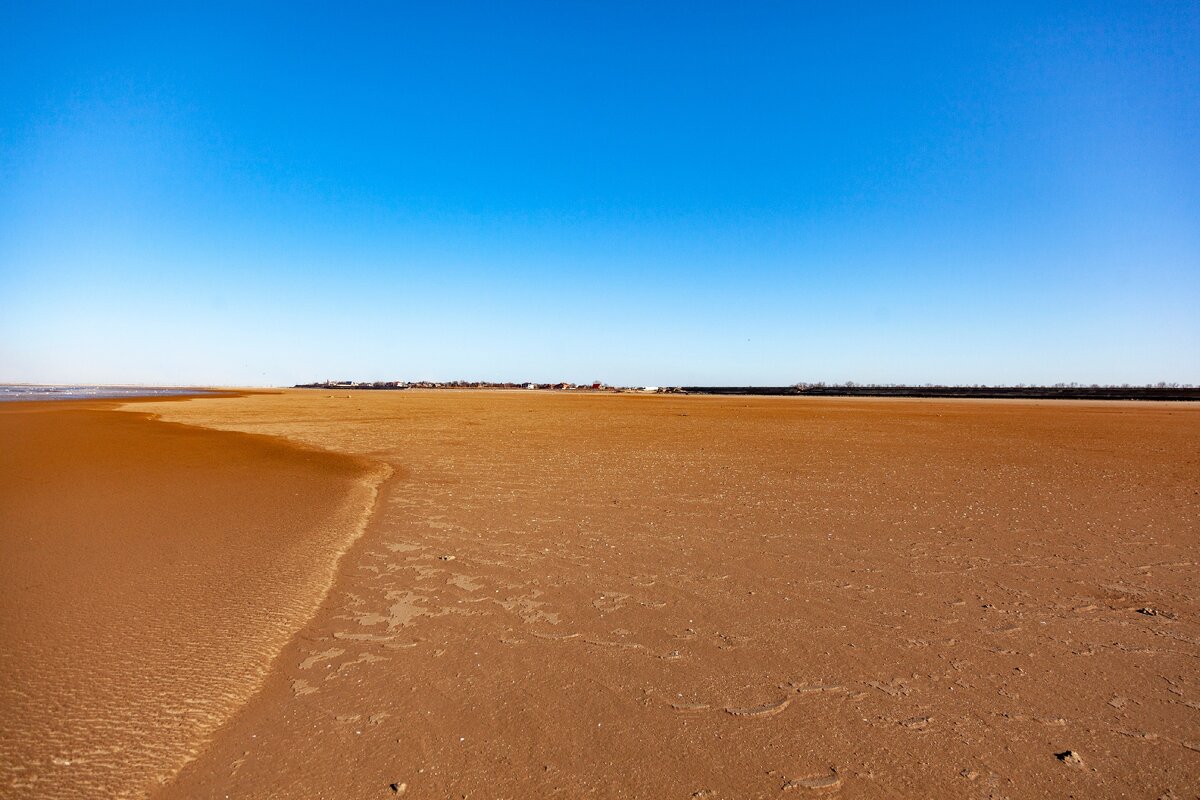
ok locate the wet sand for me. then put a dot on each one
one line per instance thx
(602, 596)
(151, 572)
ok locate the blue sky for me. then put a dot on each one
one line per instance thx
(637, 193)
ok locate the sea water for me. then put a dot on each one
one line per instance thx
(35, 392)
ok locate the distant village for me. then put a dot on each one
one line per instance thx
(1060, 391)
(562, 386)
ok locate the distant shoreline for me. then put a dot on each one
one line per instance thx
(1154, 393)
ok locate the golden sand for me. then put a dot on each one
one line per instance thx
(601, 596)
(151, 572)
(595, 596)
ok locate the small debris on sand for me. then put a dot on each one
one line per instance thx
(765, 710)
(398, 788)
(1151, 611)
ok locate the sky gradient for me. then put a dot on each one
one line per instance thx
(692, 193)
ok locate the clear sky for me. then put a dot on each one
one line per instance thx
(637, 193)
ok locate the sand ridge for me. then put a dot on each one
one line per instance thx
(737, 597)
(152, 572)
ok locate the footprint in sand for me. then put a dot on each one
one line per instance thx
(829, 782)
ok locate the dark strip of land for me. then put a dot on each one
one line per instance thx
(1065, 392)
(979, 392)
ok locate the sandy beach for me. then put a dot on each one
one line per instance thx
(685, 401)
(601, 596)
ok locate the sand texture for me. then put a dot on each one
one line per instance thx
(615, 596)
(150, 574)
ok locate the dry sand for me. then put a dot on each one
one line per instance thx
(602, 596)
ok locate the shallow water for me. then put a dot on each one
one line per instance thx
(39, 392)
